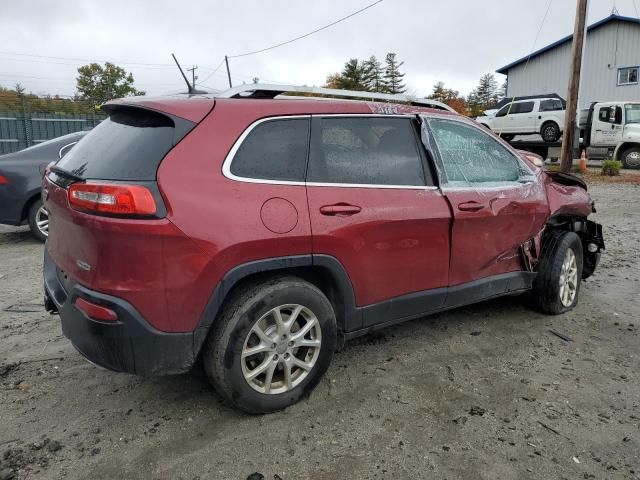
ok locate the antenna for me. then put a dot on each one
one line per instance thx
(191, 89)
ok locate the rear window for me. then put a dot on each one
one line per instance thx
(129, 145)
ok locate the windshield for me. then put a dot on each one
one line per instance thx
(633, 113)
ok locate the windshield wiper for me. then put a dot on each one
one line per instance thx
(66, 173)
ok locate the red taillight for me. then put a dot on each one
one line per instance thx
(113, 199)
(94, 311)
(3, 180)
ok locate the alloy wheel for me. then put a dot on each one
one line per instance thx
(281, 349)
(568, 279)
(42, 221)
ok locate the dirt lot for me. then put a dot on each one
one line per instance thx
(481, 392)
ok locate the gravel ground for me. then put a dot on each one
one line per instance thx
(481, 392)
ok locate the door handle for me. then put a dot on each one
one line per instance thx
(470, 206)
(340, 210)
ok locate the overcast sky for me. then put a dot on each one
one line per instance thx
(454, 41)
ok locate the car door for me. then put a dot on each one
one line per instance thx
(499, 123)
(524, 118)
(607, 126)
(374, 207)
(497, 201)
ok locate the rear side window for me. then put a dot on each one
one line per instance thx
(550, 105)
(361, 150)
(274, 150)
(129, 145)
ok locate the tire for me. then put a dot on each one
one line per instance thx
(631, 158)
(251, 309)
(37, 214)
(550, 132)
(506, 137)
(557, 250)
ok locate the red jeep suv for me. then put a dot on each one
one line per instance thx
(256, 230)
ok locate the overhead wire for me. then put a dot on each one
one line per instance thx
(535, 41)
(307, 34)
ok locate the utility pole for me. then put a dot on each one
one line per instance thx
(193, 75)
(226, 60)
(568, 137)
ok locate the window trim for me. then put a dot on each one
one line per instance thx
(446, 186)
(226, 165)
(620, 84)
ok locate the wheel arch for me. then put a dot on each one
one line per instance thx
(323, 271)
(31, 198)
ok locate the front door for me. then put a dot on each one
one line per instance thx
(496, 201)
(607, 126)
(374, 207)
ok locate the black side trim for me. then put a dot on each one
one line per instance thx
(420, 304)
(349, 317)
(232, 277)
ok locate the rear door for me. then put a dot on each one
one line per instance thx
(374, 207)
(497, 202)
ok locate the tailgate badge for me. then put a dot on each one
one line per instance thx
(83, 265)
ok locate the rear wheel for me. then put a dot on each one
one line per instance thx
(631, 157)
(507, 137)
(271, 345)
(39, 220)
(557, 284)
(550, 132)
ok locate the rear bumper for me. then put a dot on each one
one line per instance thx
(129, 344)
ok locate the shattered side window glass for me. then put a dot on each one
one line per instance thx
(472, 157)
(365, 150)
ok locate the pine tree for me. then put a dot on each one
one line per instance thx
(374, 74)
(484, 96)
(392, 75)
(352, 77)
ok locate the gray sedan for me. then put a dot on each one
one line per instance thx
(20, 176)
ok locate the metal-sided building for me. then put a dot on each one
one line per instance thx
(610, 70)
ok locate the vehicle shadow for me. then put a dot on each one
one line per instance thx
(9, 235)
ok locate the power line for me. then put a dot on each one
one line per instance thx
(307, 34)
(212, 73)
(38, 59)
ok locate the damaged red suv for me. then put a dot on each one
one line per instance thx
(255, 231)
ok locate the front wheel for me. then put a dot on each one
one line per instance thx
(631, 157)
(271, 344)
(557, 285)
(550, 132)
(39, 221)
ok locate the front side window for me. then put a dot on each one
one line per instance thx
(604, 115)
(522, 107)
(365, 150)
(274, 150)
(628, 76)
(471, 157)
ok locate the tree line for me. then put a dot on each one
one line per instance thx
(97, 84)
(371, 75)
